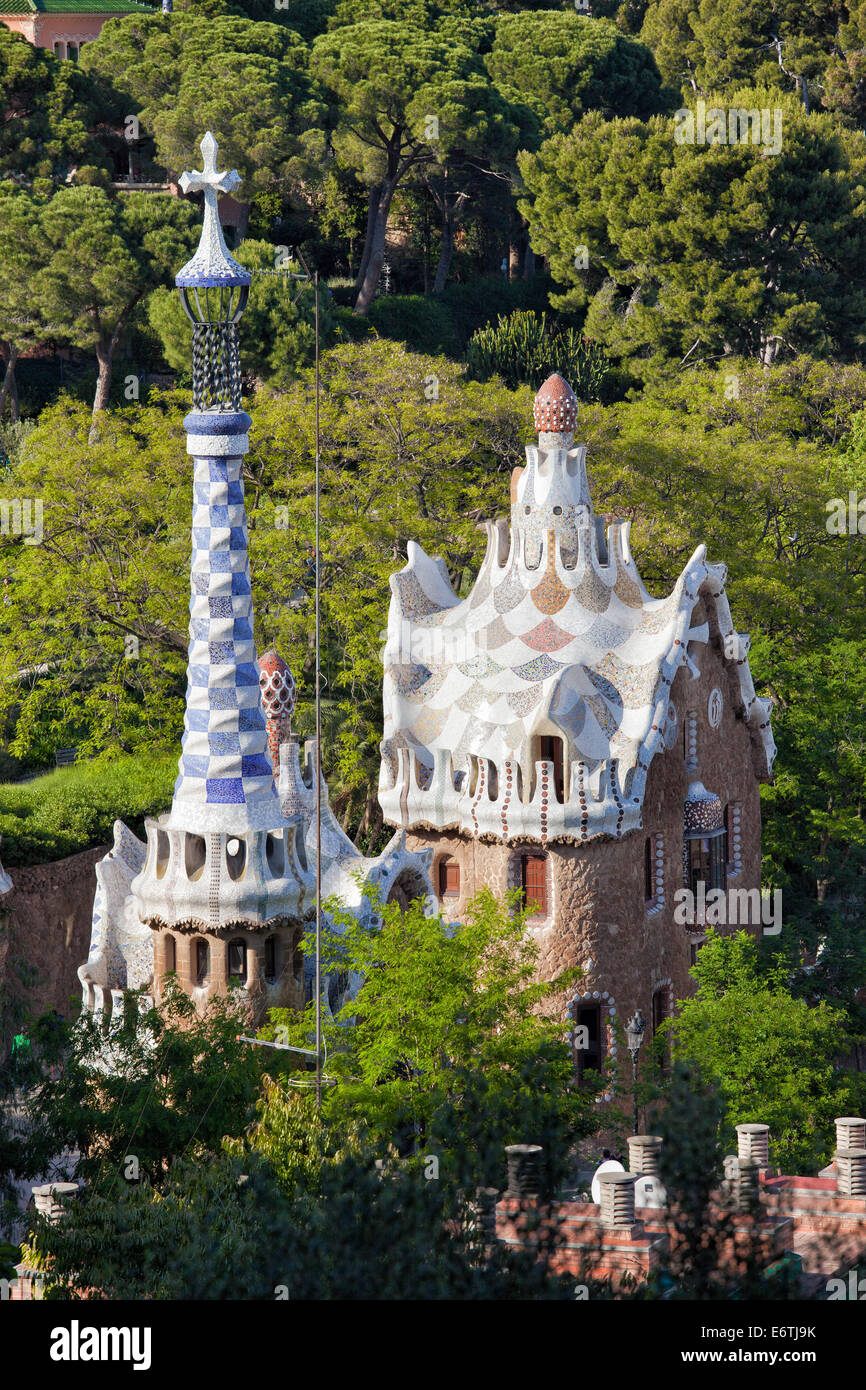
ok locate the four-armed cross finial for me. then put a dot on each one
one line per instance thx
(208, 178)
(211, 264)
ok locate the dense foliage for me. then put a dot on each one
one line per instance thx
(75, 807)
(446, 1051)
(774, 1058)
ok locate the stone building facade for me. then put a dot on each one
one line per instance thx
(562, 733)
(64, 26)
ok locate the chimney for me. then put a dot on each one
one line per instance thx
(746, 1187)
(851, 1172)
(850, 1132)
(524, 1169)
(753, 1141)
(617, 1199)
(644, 1152)
(50, 1199)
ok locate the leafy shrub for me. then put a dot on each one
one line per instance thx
(481, 300)
(422, 323)
(74, 808)
(523, 349)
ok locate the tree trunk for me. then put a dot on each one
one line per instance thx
(376, 240)
(446, 253)
(9, 391)
(372, 204)
(451, 212)
(105, 357)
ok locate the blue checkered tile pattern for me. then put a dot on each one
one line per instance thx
(225, 777)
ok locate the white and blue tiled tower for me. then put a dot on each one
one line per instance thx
(225, 779)
(223, 855)
(226, 884)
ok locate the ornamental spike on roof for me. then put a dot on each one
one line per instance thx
(559, 639)
(212, 266)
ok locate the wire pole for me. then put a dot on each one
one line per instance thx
(318, 743)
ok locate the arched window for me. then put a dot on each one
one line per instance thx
(170, 954)
(271, 958)
(237, 962)
(449, 878)
(589, 1042)
(202, 961)
(550, 750)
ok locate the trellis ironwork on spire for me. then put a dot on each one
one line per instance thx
(214, 289)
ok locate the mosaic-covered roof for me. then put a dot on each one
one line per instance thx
(558, 638)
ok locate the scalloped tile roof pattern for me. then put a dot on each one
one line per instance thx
(558, 638)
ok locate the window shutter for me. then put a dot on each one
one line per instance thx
(449, 878)
(535, 882)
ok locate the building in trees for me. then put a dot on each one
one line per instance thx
(64, 26)
(226, 884)
(562, 733)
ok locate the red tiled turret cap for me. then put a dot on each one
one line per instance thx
(555, 407)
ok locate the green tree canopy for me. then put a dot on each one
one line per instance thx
(448, 1049)
(113, 564)
(23, 258)
(404, 97)
(729, 43)
(183, 75)
(177, 1084)
(773, 1056)
(50, 113)
(562, 64)
(102, 255)
(686, 253)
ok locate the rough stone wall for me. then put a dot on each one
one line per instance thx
(597, 916)
(50, 910)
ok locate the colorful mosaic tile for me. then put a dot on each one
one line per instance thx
(414, 603)
(591, 592)
(509, 593)
(523, 702)
(547, 637)
(539, 668)
(479, 668)
(615, 674)
(496, 634)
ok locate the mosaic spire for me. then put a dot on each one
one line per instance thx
(225, 780)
